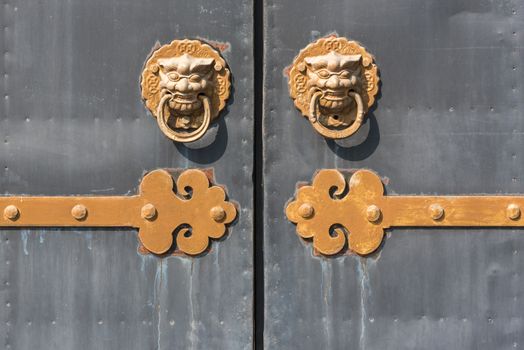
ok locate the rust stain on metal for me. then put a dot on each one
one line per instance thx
(322, 208)
(221, 46)
(287, 70)
(197, 207)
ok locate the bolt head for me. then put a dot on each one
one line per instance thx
(436, 211)
(373, 213)
(513, 211)
(306, 211)
(148, 212)
(79, 212)
(11, 212)
(218, 213)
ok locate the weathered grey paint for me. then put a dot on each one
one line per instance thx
(72, 122)
(450, 121)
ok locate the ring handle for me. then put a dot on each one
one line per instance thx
(336, 134)
(178, 136)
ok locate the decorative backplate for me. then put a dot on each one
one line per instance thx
(194, 211)
(185, 85)
(333, 82)
(326, 212)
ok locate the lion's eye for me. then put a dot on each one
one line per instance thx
(195, 78)
(174, 76)
(345, 75)
(324, 74)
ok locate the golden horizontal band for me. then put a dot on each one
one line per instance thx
(156, 211)
(365, 211)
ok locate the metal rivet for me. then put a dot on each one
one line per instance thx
(218, 213)
(306, 210)
(148, 211)
(436, 211)
(79, 212)
(11, 212)
(373, 213)
(513, 211)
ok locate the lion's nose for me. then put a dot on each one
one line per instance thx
(333, 82)
(183, 85)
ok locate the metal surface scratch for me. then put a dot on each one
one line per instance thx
(327, 298)
(160, 277)
(192, 319)
(363, 277)
(25, 236)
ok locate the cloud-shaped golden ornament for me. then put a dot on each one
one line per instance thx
(323, 210)
(197, 211)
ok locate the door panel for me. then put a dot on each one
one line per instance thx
(448, 120)
(73, 123)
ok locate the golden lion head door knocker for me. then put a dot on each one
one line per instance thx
(185, 85)
(333, 82)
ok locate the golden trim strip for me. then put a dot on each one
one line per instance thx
(322, 210)
(157, 211)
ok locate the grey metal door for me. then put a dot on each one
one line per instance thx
(449, 120)
(73, 123)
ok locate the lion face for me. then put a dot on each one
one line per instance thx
(334, 75)
(185, 84)
(185, 78)
(333, 82)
